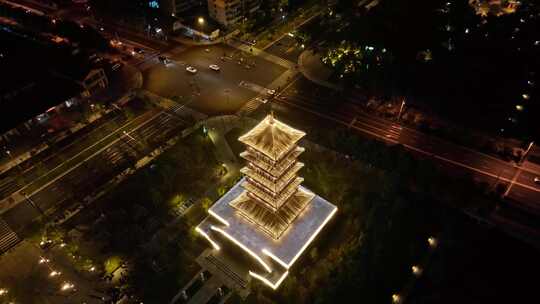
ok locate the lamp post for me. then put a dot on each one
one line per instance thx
(401, 108)
(526, 152)
(13, 159)
(32, 203)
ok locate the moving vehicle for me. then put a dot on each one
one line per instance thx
(214, 67)
(164, 59)
(191, 69)
(261, 99)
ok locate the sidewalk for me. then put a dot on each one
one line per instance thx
(312, 68)
(263, 54)
(189, 41)
(217, 128)
(129, 79)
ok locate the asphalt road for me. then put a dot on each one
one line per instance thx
(287, 47)
(88, 176)
(323, 108)
(212, 92)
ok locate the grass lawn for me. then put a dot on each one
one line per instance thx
(134, 224)
(386, 213)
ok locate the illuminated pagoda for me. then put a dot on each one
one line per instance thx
(268, 214)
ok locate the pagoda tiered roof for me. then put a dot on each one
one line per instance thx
(272, 223)
(263, 196)
(275, 169)
(268, 214)
(272, 138)
(275, 185)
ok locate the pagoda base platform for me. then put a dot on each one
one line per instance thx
(272, 258)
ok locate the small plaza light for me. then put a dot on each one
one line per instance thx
(54, 273)
(416, 270)
(200, 20)
(432, 242)
(526, 96)
(519, 107)
(93, 268)
(43, 260)
(396, 298)
(64, 244)
(67, 286)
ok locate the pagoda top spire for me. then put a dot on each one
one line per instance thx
(272, 137)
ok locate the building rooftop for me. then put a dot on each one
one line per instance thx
(272, 137)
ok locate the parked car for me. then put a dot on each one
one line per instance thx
(214, 67)
(191, 69)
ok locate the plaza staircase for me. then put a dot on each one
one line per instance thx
(8, 238)
(224, 269)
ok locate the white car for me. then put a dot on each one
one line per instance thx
(191, 69)
(271, 92)
(214, 67)
(261, 100)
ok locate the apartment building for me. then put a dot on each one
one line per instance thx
(177, 7)
(229, 12)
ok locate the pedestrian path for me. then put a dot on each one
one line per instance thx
(253, 86)
(249, 107)
(263, 54)
(8, 237)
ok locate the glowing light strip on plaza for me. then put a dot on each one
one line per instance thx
(287, 266)
(206, 236)
(217, 217)
(228, 236)
(267, 282)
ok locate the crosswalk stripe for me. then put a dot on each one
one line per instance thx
(8, 238)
